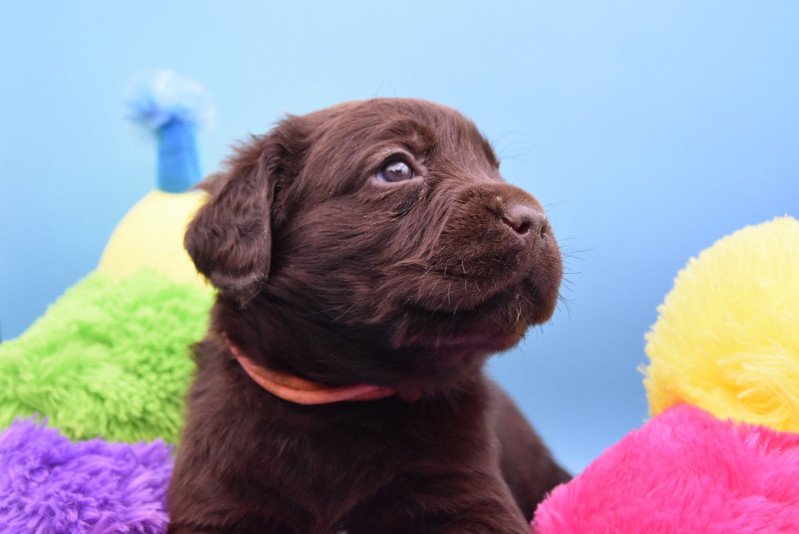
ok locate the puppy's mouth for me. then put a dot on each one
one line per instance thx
(455, 347)
(493, 324)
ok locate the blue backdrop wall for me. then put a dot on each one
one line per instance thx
(648, 129)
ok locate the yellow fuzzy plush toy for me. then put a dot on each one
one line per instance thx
(727, 339)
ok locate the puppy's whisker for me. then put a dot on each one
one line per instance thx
(328, 310)
(345, 313)
(433, 288)
(552, 206)
(425, 272)
(563, 303)
(574, 253)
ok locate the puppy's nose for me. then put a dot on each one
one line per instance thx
(525, 219)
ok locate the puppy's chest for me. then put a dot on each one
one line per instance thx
(332, 469)
(330, 475)
(326, 461)
(341, 474)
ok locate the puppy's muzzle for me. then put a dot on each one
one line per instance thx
(498, 232)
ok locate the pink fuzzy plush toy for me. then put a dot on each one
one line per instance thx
(721, 453)
(684, 472)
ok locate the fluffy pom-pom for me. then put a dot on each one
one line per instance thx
(52, 485)
(171, 107)
(684, 471)
(727, 339)
(158, 98)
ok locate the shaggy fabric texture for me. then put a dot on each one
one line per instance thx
(50, 485)
(109, 358)
(684, 471)
(727, 339)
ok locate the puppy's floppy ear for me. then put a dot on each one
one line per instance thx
(230, 238)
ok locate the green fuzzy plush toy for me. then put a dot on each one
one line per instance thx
(110, 358)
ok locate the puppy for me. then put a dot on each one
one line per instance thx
(369, 258)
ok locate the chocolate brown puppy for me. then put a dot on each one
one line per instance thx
(369, 259)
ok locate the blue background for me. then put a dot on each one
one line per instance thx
(648, 129)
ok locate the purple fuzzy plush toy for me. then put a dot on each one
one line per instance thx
(51, 485)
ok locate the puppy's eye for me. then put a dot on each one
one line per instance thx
(395, 171)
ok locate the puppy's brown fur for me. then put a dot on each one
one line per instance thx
(331, 273)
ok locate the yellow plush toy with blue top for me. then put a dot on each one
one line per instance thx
(151, 234)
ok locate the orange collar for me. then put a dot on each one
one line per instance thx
(298, 390)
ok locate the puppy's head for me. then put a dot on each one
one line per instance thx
(383, 231)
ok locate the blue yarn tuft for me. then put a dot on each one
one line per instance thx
(172, 108)
(161, 97)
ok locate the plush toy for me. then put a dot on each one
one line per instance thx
(110, 359)
(684, 472)
(725, 349)
(151, 234)
(727, 339)
(49, 484)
